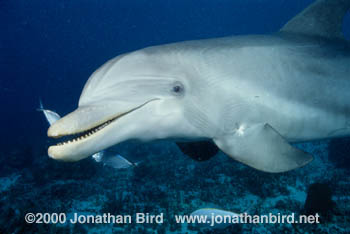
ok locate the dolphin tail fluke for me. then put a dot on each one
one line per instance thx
(263, 148)
(323, 18)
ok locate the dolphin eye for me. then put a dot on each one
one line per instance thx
(177, 88)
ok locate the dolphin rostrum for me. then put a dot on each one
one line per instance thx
(250, 95)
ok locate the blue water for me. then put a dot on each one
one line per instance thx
(48, 49)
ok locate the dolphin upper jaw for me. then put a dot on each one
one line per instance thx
(82, 119)
(72, 123)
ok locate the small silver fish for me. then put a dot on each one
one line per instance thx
(98, 156)
(50, 116)
(115, 161)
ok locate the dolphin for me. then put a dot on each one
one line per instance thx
(252, 95)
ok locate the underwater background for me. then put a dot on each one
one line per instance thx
(48, 49)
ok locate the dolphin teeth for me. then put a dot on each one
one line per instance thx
(87, 133)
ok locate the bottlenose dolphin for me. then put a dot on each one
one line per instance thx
(250, 95)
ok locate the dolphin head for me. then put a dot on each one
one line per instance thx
(139, 95)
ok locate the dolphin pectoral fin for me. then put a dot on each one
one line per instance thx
(199, 150)
(263, 148)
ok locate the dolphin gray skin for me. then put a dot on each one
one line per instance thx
(251, 95)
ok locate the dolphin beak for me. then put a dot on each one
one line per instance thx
(88, 128)
(80, 120)
(84, 127)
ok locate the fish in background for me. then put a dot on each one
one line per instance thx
(211, 213)
(50, 116)
(112, 160)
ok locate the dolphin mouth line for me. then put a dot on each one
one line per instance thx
(77, 137)
(83, 135)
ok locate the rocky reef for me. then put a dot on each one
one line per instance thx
(171, 183)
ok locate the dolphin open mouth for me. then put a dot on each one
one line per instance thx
(77, 137)
(81, 137)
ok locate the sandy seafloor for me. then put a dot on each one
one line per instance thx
(166, 182)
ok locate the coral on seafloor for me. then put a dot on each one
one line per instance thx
(171, 183)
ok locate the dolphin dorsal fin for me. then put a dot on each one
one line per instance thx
(323, 18)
